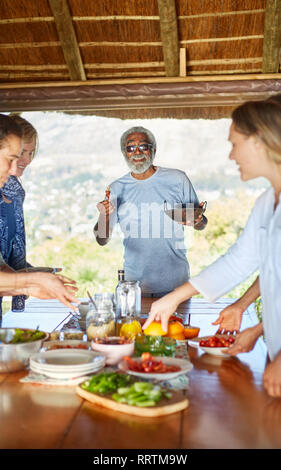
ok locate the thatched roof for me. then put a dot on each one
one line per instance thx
(144, 58)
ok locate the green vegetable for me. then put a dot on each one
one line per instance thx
(142, 394)
(24, 336)
(106, 382)
(137, 394)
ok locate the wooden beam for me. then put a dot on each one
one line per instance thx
(92, 83)
(182, 62)
(272, 37)
(169, 36)
(68, 39)
(40, 19)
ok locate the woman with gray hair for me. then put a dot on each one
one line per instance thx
(255, 135)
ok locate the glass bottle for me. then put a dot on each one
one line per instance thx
(100, 320)
(130, 302)
(121, 278)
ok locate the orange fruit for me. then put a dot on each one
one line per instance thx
(179, 337)
(175, 328)
(191, 331)
(154, 329)
(175, 317)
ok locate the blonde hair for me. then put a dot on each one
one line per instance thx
(29, 133)
(261, 119)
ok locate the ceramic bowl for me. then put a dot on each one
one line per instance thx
(113, 352)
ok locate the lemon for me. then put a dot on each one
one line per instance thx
(131, 330)
(154, 329)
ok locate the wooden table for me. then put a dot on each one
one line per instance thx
(228, 409)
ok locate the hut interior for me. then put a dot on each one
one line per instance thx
(149, 58)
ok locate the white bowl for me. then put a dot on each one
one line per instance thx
(114, 352)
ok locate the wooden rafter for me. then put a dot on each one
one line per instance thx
(68, 39)
(272, 37)
(169, 36)
(40, 19)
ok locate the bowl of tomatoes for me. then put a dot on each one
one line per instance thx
(155, 367)
(216, 345)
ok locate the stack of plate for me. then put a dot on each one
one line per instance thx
(66, 363)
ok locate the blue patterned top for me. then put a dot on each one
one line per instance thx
(12, 231)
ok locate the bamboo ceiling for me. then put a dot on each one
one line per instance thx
(144, 58)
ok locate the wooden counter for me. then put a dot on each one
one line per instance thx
(228, 409)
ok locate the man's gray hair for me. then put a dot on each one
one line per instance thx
(141, 130)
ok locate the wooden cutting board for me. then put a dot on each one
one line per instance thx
(177, 402)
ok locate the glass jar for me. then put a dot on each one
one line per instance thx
(129, 307)
(100, 320)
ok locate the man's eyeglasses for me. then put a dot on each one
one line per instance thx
(142, 148)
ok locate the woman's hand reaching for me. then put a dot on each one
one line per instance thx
(230, 318)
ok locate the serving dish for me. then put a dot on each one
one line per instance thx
(184, 213)
(215, 350)
(112, 351)
(15, 357)
(65, 344)
(156, 345)
(184, 366)
(120, 392)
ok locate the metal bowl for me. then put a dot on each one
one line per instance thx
(15, 357)
(184, 213)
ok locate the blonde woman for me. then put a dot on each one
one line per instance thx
(12, 229)
(39, 284)
(255, 135)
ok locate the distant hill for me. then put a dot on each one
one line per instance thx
(80, 155)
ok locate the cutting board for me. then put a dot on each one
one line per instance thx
(176, 403)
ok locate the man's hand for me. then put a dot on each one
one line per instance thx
(272, 377)
(198, 221)
(105, 207)
(102, 231)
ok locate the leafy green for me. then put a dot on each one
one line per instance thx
(25, 336)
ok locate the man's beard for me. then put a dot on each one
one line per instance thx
(140, 167)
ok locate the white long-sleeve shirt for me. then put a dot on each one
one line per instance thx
(257, 248)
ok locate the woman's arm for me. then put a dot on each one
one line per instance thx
(41, 285)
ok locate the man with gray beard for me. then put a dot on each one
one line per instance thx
(154, 249)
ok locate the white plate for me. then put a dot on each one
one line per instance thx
(64, 359)
(185, 366)
(72, 374)
(215, 351)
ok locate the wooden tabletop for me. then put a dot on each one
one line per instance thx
(228, 409)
